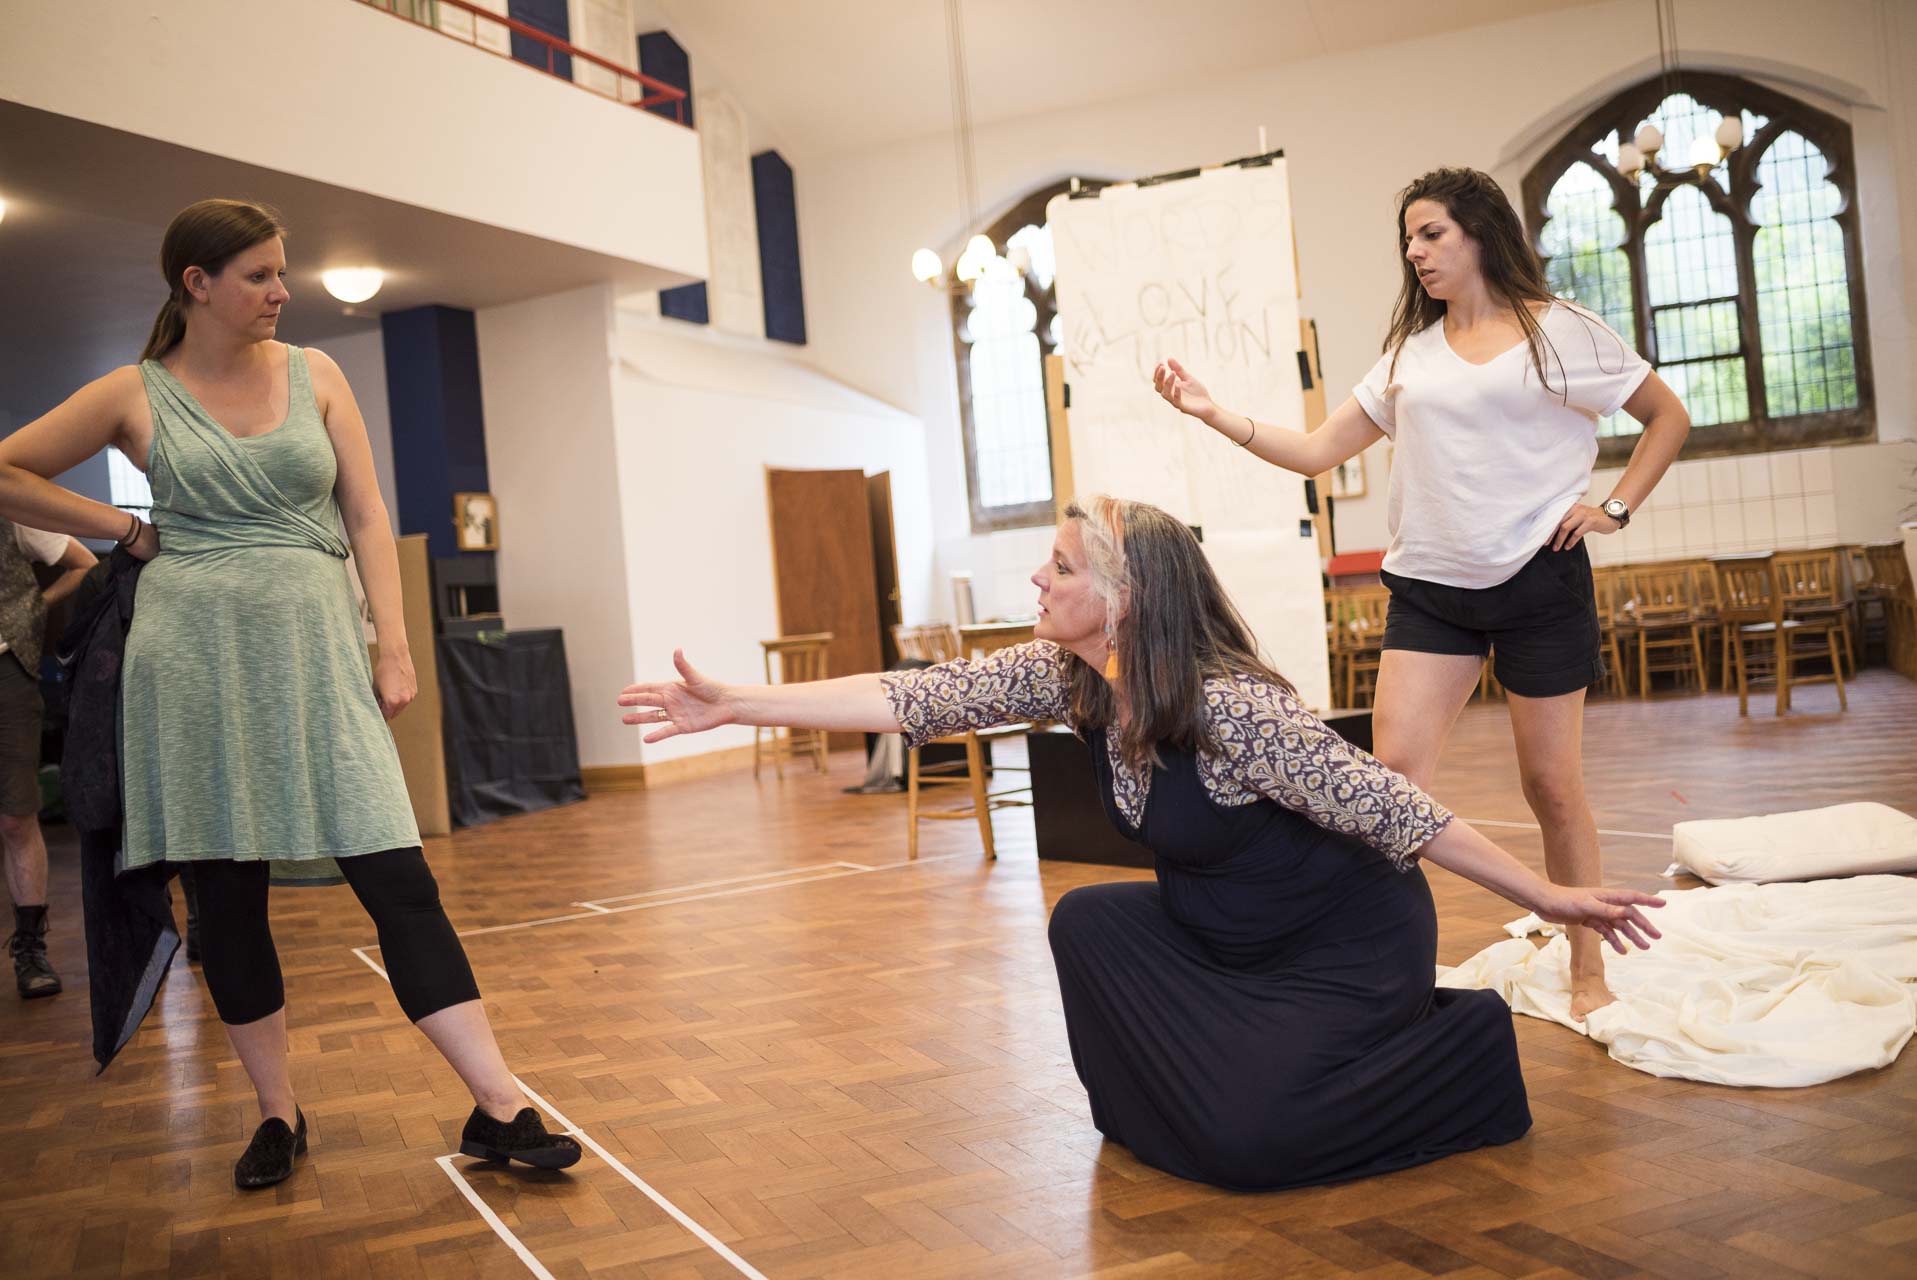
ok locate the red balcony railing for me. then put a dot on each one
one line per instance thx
(645, 93)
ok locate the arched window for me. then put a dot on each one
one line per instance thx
(1742, 285)
(1003, 327)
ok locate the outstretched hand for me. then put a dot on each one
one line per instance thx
(1181, 391)
(1611, 913)
(690, 704)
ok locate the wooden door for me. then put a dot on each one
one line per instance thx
(885, 563)
(822, 559)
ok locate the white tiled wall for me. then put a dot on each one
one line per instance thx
(1719, 506)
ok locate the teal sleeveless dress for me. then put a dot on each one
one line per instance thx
(248, 723)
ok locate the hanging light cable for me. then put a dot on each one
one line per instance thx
(979, 249)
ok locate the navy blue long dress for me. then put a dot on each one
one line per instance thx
(1265, 1015)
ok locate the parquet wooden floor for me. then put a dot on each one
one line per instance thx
(848, 1072)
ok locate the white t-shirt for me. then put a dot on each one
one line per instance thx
(39, 545)
(1486, 460)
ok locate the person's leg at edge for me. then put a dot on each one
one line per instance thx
(430, 973)
(1419, 697)
(1549, 734)
(26, 853)
(26, 864)
(242, 971)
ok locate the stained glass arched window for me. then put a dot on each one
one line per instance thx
(1740, 283)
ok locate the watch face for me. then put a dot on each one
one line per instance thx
(1615, 508)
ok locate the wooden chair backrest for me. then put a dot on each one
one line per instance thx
(978, 639)
(1660, 592)
(1747, 588)
(932, 642)
(1810, 577)
(1608, 585)
(799, 658)
(1358, 617)
(1889, 570)
(1703, 587)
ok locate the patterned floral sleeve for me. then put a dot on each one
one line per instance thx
(1024, 682)
(1275, 746)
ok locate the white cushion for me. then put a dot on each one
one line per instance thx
(1809, 844)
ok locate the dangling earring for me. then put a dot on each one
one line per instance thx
(1111, 655)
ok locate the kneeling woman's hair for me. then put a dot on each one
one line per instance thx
(1171, 623)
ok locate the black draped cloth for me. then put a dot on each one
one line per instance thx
(129, 922)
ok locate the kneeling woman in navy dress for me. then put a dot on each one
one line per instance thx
(1264, 1015)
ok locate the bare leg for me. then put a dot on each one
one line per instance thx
(1549, 734)
(26, 856)
(464, 1037)
(262, 1049)
(1419, 697)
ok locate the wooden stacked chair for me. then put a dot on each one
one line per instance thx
(1812, 583)
(1357, 641)
(1664, 625)
(942, 642)
(792, 660)
(1764, 642)
(1608, 584)
(1710, 628)
(1890, 579)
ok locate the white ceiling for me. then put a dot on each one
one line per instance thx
(836, 75)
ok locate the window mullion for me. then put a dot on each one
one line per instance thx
(1744, 236)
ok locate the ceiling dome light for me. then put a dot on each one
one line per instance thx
(353, 284)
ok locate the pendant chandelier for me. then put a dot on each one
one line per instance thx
(1707, 151)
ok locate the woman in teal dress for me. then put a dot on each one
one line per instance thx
(252, 725)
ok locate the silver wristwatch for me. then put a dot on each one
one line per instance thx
(1616, 509)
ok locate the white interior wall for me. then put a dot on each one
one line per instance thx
(1355, 129)
(628, 457)
(545, 377)
(1766, 501)
(362, 358)
(700, 418)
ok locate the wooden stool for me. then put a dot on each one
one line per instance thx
(800, 658)
(1763, 640)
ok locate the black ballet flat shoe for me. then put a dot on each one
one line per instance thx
(269, 1157)
(524, 1140)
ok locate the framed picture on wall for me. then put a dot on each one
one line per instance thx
(476, 521)
(1348, 478)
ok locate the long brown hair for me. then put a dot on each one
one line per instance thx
(1511, 270)
(206, 234)
(1178, 628)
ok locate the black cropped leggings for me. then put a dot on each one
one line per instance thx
(420, 951)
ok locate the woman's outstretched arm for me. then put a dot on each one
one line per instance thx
(694, 703)
(1024, 682)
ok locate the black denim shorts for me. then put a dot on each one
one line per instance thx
(1540, 624)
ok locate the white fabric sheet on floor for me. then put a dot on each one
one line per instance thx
(1773, 985)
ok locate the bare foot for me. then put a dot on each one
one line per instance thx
(1588, 992)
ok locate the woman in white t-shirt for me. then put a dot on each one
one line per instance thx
(1490, 388)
